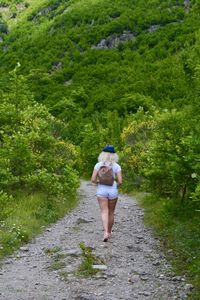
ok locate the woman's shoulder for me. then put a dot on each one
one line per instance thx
(97, 166)
(116, 164)
(116, 167)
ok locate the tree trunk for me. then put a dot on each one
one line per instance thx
(187, 6)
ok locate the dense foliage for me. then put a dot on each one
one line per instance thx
(164, 148)
(34, 159)
(120, 72)
(30, 142)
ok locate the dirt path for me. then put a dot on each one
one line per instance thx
(135, 267)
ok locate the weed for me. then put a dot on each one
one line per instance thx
(89, 259)
(51, 251)
(65, 275)
(76, 228)
(56, 265)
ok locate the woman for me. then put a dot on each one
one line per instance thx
(107, 195)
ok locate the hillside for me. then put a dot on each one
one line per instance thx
(91, 62)
(95, 53)
(77, 74)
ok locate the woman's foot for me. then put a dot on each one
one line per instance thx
(106, 236)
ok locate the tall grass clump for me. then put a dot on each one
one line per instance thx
(27, 215)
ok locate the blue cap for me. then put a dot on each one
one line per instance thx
(109, 148)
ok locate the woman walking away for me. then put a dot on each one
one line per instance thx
(105, 173)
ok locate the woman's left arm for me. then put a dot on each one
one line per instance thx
(119, 178)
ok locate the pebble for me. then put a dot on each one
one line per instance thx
(99, 267)
(8, 262)
(189, 286)
(101, 277)
(134, 278)
(82, 220)
(140, 237)
(125, 207)
(130, 247)
(156, 263)
(145, 293)
(177, 278)
(74, 252)
(144, 278)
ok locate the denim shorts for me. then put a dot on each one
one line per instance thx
(109, 192)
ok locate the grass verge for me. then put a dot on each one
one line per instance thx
(178, 228)
(27, 215)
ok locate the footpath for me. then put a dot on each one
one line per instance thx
(131, 265)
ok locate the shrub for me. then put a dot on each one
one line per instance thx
(33, 154)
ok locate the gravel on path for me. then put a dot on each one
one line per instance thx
(132, 264)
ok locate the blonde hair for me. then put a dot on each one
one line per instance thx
(109, 157)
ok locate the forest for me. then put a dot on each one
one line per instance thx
(78, 74)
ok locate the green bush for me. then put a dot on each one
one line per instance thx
(171, 164)
(38, 166)
(163, 148)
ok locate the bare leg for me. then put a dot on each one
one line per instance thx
(103, 203)
(111, 210)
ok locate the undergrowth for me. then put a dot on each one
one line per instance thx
(28, 216)
(178, 227)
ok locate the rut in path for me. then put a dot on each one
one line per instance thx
(134, 265)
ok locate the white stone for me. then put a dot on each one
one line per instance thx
(99, 267)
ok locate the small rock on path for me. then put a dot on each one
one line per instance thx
(134, 265)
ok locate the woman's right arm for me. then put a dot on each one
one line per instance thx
(94, 176)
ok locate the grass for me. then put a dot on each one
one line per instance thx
(27, 216)
(85, 269)
(56, 265)
(88, 260)
(178, 228)
(51, 251)
(57, 262)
